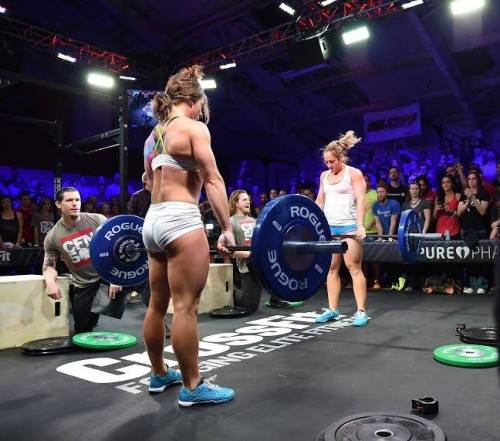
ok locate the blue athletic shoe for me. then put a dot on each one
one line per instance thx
(158, 383)
(327, 315)
(360, 318)
(205, 393)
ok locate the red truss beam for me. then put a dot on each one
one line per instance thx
(316, 17)
(48, 41)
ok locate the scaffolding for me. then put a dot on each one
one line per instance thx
(315, 19)
(47, 41)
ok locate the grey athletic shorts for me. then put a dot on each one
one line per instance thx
(167, 221)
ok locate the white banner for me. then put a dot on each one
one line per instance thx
(392, 123)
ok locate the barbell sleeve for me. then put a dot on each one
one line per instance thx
(331, 246)
(423, 236)
(426, 236)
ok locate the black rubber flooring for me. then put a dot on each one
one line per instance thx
(289, 386)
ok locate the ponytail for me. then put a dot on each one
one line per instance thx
(340, 147)
(182, 87)
(161, 106)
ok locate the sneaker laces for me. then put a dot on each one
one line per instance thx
(209, 382)
(359, 314)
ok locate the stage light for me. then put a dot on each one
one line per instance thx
(3, 9)
(460, 7)
(66, 57)
(208, 84)
(227, 66)
(327, 2)
(101, 80)
(412, 4)
(355, 35)
(124, 77)
(287, 9)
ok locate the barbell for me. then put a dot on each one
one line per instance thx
(290, 250)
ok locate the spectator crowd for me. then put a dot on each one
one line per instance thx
(461, 200)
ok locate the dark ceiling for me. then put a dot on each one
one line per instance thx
(266, 106)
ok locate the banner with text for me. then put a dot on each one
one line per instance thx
(453, 251)
(393, 123)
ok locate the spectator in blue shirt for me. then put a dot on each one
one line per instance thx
(386, 212)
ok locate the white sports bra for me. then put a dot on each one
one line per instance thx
(169, 161)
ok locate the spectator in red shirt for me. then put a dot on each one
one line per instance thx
(27, 212)
(445, 208)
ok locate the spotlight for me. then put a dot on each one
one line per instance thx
(3, 9)
(100, 80)
(355, 35)
(66, 57)
(327, 2)
(124, 77)
(287, 9)
(460, 7)
(227, 66)
(411, 4)
(208, 84)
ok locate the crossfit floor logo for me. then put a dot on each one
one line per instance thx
(258, 337)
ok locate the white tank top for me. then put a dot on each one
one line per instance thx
(340, 203)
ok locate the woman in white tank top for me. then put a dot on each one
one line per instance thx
(341, 195)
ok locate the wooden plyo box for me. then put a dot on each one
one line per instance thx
(27, 313)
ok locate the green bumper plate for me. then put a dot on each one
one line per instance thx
(465, 355)
(104, 340)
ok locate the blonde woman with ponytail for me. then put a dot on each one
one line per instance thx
(178, 160)
(341, 196)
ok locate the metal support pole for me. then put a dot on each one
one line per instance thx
(115, 133)
(123, 145)
(58, 138)
(26, 120)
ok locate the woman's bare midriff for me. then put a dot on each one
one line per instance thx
(173, 185)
